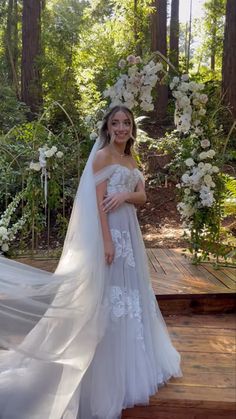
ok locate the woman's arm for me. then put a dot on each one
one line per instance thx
(99, 163)
(113, 201)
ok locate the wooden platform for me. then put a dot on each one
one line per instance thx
(206, 341)
(207, 389)
(182, 287)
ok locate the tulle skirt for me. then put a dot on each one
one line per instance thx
(135, 356)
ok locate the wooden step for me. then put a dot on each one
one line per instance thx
(207, 389)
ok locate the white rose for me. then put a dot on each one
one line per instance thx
(207, 180)
(3, 231)
(215, 169)
(201, 165)
(122, 63)
(54, 149)
(205, 143)
(211, 153)
(207, 166)
(138, 60)
(131, 59)
(5, 247)
(59, 154)
(203, 98)
(35, 166)
(189, 162)
(48, 153)
(203, 155)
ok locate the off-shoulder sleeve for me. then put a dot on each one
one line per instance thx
(103, 174)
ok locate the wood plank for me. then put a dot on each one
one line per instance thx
(207, 388)
(221, 276)
(208, 321)
(231, 272)
(166, 263)
(154, 262)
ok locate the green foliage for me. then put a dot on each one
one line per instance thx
(12, 112)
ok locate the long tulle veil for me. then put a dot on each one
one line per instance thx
(50, 324)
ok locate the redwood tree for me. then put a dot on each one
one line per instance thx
(159, 43)
(31, 89)
(229, 57)
(174, 34)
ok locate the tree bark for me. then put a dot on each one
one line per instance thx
(229, 58)
(174, 35)
(11, 43)
(31, 88)
(159, 43)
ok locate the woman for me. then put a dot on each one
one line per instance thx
(92, 340)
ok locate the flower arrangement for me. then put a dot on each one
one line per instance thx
(201, 185)
(7, 232)
(133, 87)
(42, 165)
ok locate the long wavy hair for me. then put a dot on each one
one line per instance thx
(104, 134)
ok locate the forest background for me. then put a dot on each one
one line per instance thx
(57, 57)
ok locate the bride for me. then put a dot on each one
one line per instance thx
(88, 340)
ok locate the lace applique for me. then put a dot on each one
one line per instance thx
(126, 303)
(123, 246)
(123, 179)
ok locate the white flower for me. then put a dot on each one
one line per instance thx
(189, 162)
(185, 178)
(201, 165)
(54, 149)
(122, 63)
(203, 98)
(48, 153)
(5, 247)
(159, 67)
(207, 167)
(205, 143)
(88, 118)
(3, 231)
(211, 153)
(203, 155)
(185, 77)
(215, 169)
(208, 180)
(202, 111)
(138, 60)
(59, 154)
(93, 136)
(35, 166)
(131, 59)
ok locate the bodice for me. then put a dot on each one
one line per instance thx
(123, 179)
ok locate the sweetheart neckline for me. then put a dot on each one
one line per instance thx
(122, 165)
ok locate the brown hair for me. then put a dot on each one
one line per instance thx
(105, 136)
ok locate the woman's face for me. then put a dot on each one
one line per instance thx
(120, 127)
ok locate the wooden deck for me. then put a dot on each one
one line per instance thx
(186, 295)
(182, 287)
(207, 389)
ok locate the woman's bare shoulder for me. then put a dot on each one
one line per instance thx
(102, 159)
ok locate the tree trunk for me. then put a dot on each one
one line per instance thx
(159, 43)
(31, 88)
(229, 58)
(174, 35)
(11, 42)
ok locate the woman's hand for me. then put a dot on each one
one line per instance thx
(113, 201)
(109, 251)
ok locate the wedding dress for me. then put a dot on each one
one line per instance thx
(88, 340)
